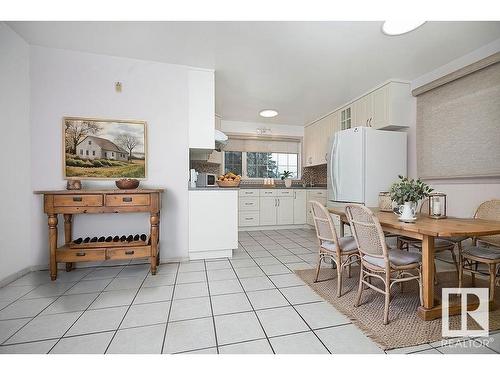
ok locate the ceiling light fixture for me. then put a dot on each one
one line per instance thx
(268, 113)
(400, 27)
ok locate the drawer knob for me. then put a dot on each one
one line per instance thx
(77, 199)
(127, 199)
(248, 218)
(129, 252)
(80, 254)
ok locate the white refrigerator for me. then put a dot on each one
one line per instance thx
(362, 162)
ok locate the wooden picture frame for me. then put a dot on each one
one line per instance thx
(104, 149)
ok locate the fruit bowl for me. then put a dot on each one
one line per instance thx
(234, 183)
(127, 183)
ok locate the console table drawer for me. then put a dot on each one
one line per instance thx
(84, 200)
(121, 200)
(81, 255)
(125, 253)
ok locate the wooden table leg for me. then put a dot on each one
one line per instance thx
(68, 235)
(427, 275)
(52, 221)
(155, 221)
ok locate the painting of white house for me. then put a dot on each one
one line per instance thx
(104, 149)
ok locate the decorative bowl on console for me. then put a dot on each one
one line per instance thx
(127, 183)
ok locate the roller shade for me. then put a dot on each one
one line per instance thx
(290, 146)
(458, 127)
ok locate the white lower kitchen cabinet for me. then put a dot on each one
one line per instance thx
(284, 211)
(268, 210)
(272, 207)
(299, 207)
(319, 195)
(213, 223)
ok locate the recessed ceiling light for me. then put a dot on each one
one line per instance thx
(268, 113)
(400, 27)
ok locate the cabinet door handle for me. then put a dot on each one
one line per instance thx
(77, 199)
(248, 204)
(278, 202)
(80, 254)
(129, 252)
(127, 199)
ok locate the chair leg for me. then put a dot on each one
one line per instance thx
(387, 298)
(340, 271)
(492, 281)
(473, 275)
(318, 268)
(435, 274)
(360, 286)
(453, 256)
(460, 271)
(420, 287)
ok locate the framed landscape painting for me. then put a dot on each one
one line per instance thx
(104, 149)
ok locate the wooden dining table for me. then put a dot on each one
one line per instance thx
(427, 229)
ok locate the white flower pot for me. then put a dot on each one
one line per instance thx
(288, 182)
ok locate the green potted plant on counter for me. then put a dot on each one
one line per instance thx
(406, 193)
(287, 177)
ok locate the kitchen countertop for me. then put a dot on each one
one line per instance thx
(213, 188)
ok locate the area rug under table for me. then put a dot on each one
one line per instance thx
(405, 328)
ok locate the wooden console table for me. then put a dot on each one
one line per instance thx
(70, 202)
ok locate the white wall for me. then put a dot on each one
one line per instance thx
(251, 128)
(15, 197)
(464, 195)
(66, 83)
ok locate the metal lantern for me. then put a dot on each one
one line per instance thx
(437, 205)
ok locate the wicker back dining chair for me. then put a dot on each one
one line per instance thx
(342, 251)
(485, 249)
(378, 262)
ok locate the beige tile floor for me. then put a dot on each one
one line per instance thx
(252, 303)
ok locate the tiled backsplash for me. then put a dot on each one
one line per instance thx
(316, 175)
(204, 167)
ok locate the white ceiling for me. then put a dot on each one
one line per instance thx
(302, 69)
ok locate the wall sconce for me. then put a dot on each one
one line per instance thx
(118, 86)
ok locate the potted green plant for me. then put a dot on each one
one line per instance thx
(406, 193)
(287, 177)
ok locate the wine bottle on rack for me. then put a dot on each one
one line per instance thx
(109, 239)
(123, 238)
(78, 241)
(116, 238)
(86, 240)
(94, 239)
(143, 237)
(130, 238)
(136, 237)
(101, 239)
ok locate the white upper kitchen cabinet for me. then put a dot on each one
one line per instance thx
(362, 111)
(201, 109)
(393, 106)
(299, 207)
(316, 139)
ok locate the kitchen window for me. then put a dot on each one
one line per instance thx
(260, 164)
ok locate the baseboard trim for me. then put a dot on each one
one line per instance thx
(274, 227)
(211, 254)
(61, 267)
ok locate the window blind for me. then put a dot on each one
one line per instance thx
(288, 145)
(458, 127)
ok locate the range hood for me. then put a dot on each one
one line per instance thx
(220, 140)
